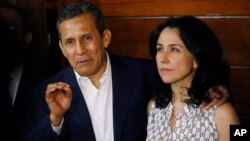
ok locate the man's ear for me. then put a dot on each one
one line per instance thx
(106, 37)
(195, 64)
(28, 38)
(62, 48)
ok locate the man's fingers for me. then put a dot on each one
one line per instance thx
(224, 96)
(222, 101)
(212, 103)
(68, 93)
(56, 89)
(203, 104)
(214, 94)
(59, 86)
(224, 92)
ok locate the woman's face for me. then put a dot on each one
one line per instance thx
(176, 65)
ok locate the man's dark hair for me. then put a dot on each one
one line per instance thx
(82, 8)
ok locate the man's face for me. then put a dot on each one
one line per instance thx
(83, 46)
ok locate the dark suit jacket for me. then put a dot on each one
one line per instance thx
(132, 83)
(16, 120)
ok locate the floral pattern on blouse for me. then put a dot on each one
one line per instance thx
(192, 124)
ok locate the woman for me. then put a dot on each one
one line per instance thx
(189, 60)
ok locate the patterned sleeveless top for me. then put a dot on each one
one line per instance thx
(192, 124)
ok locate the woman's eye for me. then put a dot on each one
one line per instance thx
(158, 49)
(174, 50)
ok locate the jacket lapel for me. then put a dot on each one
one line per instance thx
(121, 93)
(79, 106)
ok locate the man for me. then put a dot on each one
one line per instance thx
(18, 71)
(101, 96)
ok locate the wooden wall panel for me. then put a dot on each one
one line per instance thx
(234, 36)
(174, 7)
(240, 88)
(130, 36)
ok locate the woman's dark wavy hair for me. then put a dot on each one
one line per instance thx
(82, 8)
(212, 70)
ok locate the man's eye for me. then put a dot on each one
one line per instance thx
(68, 42)
(86, 38)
